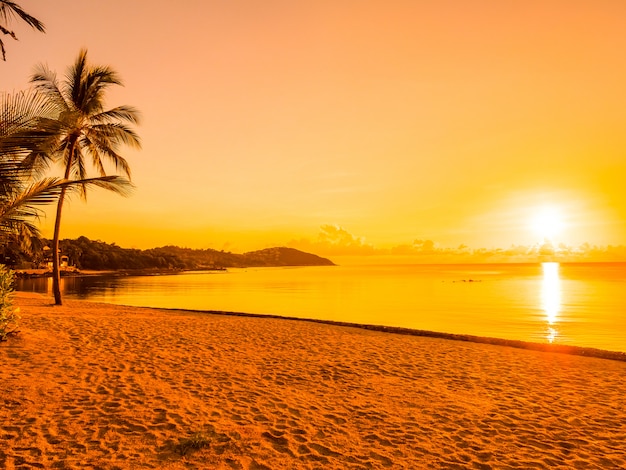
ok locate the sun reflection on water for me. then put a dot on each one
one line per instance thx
(551, 297)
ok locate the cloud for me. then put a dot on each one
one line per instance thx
(334, 240)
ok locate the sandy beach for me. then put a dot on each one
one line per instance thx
(93, 386)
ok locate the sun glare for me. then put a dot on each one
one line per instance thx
(547, 222)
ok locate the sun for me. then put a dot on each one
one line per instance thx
(547, 222)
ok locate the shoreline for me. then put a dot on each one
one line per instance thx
(46, 273)
(91, 385)
(602, 340)
(512, 343)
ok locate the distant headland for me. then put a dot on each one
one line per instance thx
(83, 254)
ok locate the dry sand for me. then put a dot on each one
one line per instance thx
(91, 386)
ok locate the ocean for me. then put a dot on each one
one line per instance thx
(581, 304)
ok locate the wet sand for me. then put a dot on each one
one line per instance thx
(96, 386)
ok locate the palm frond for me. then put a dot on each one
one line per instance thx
(86, 85)
(18, 211)
(11, 177)
(20, 231)
(46, 81)
(113, 183)
(96, 85)
(122, 113)
(99, 148)
(5, 31)
(21, 109)
(41, 192)
(116, 134)
(29, 129)
(3, 51)
(9, 10)
(74, 78)
(96, 156)
(78, 169)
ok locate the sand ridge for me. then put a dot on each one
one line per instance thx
(95, 386)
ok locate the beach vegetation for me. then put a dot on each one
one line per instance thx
(96, 255)
(207, 437)
(24, 134)
(10, 11)
(198, 440)
(9, 316)
(29, 131)
(88, 135)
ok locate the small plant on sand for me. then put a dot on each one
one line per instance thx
(219, 442)
(196, 441)
(8, 315)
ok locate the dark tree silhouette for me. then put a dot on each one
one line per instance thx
(9, 11)
(88, 132)
(29, 131)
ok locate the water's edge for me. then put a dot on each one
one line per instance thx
(518, 344)
(570, 309)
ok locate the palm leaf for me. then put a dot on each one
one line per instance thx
(27, 121)
(18, 211)
(101, 148)
(122, 113)
(115, 133)
(10, 10)
(47, 83)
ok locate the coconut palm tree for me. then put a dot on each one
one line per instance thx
(29, 131)
(88, 133)
(10, 10)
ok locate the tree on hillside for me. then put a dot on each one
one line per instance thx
(88, 132)
(28, 131)
(10, 10)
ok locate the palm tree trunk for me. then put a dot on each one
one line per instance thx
(56, 268)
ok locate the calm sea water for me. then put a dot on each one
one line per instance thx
(576, 304)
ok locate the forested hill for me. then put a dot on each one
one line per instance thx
(96, 255)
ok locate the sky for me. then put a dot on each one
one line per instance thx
(383, 124)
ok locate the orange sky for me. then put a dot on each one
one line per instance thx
(454, 121)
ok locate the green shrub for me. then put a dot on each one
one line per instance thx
(8, 315)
